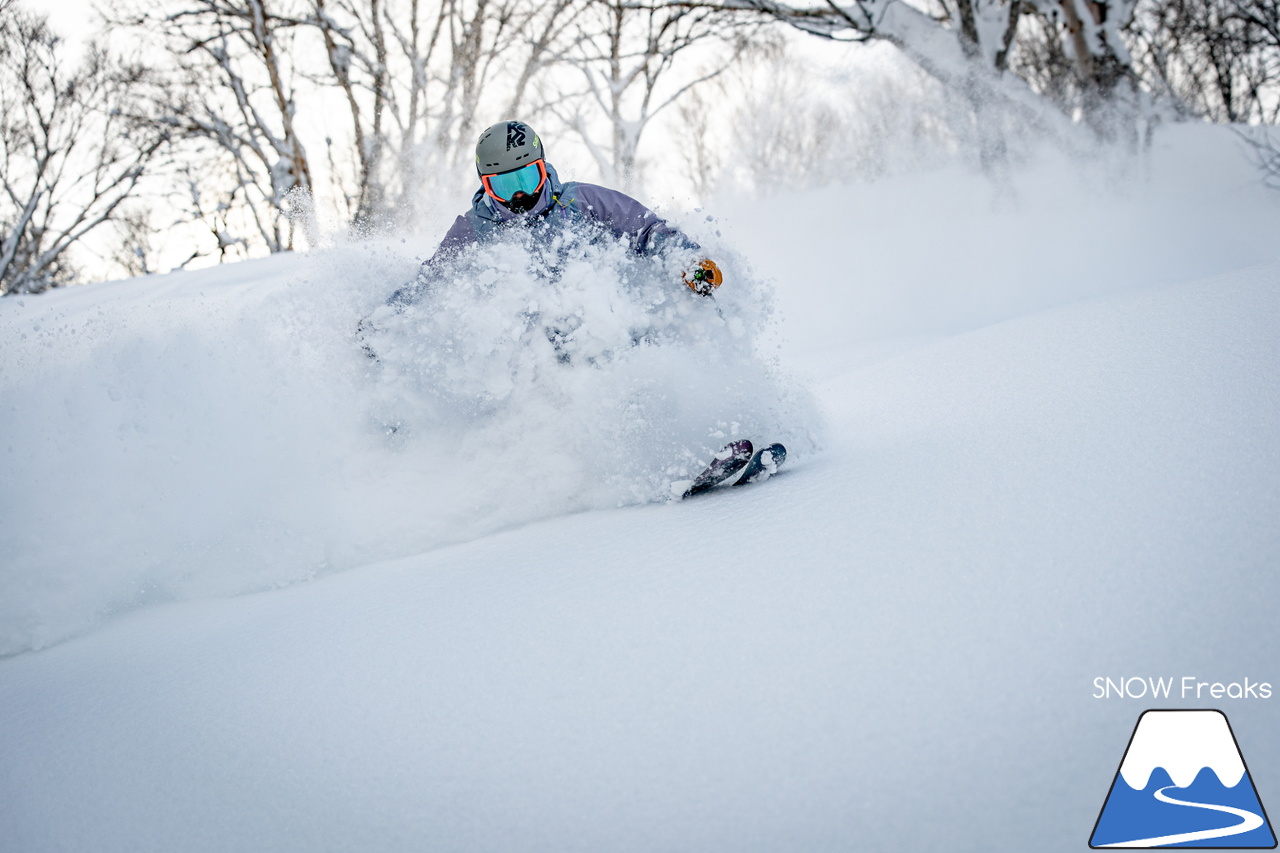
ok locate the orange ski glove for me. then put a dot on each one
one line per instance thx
(703, 278)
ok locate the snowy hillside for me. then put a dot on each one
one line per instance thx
(259, 592)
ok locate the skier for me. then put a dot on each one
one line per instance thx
(518, 187)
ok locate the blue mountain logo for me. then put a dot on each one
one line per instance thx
(1183, 783)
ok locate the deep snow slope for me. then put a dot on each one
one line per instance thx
(890, 647)
(224, 432)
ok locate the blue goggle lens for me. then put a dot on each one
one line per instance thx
(525, 180)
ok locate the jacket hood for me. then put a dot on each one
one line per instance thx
(486, 207)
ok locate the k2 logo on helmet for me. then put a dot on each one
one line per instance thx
(1182, 783)
(515, 135)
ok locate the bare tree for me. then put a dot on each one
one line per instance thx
(1264, 144)
(1214, 58)
(625, 53)
(415, 77)
(135, 253)
(235, 84)
(700, 151)
(359, 66)
(72, 149)
(389, 92)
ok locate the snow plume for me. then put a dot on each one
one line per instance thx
(206, 434)
(577, 365)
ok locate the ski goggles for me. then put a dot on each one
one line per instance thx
(527, 179)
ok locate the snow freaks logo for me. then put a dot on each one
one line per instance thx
(1182, 782)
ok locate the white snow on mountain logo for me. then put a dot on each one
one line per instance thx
(1183, 782)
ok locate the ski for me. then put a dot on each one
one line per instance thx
(730, 461)
(763, 465)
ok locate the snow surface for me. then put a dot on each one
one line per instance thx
(1047, 452)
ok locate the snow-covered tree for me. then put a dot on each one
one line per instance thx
(969, 44)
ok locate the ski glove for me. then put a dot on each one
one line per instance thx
(703, 278)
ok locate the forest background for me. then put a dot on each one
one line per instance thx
(180, 133)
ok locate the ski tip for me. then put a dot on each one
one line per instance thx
(733, 450)
(763, 465)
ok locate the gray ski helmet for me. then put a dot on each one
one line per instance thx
(505, 146)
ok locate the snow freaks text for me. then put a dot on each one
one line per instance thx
(1186, 687)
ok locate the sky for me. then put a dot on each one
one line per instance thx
(74, 19)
